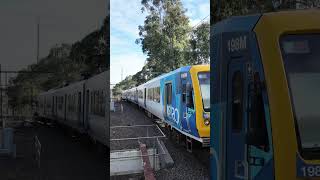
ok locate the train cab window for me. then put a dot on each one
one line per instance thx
(300, 55)
(237, 100)
(257, 120)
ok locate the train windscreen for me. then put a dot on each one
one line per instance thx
(301, 58)
(204, 81)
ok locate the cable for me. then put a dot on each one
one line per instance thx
(200, 21)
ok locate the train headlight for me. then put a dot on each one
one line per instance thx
(206, 122)
(206, 117)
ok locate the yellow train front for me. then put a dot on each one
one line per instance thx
(265, 114)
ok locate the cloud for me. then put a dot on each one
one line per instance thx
(204, 9)
(130, 63)
(197, 9)
(125, 17)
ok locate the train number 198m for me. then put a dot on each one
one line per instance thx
(237, 44)
(311, 171)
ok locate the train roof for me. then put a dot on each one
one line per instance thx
(181, 69)
(58, 89)
(249, 22)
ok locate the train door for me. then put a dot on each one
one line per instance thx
(79, 108)
(145, 97)
(167, 98)
(236, 123)
(186, 101)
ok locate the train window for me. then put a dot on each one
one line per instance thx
(74, 101)
(300, 54)
(149, 94)
(237, 100)
(152, 94)
(257, 122)
(79, 102)
(104, 100)
(101, 102)
(96, 102)
(69, 102)
(157, 94)
(91, 102)
(60, 103)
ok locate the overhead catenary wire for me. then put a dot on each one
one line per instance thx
(200, 21)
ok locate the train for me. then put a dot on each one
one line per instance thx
(180, 99)
(82, 106)
(264, 96)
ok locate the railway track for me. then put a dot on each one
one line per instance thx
(187, 165)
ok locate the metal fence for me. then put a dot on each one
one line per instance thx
(125, 152)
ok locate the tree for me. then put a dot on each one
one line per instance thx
(87, 56)
(198, 50)
(222, 9)
(168, 40)
(164, 35)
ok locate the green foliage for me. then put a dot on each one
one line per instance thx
(164, 36)
(198, 49)
(221, 9)
(168, 40)
(65, 63)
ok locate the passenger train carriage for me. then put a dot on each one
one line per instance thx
(82, 106)
(265, 97)
(180, 98)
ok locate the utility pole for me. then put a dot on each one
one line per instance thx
(121, 73)
(38, 38)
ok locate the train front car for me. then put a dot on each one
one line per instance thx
(265, 96)
(186, 101)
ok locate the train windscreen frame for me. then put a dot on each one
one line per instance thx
(301, 59)
(204, 82)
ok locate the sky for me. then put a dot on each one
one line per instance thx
(125, 17)
(61, 21)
